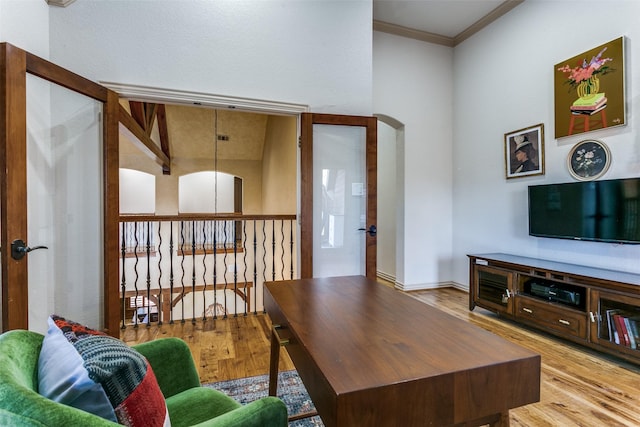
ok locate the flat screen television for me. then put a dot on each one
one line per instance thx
(603, 211)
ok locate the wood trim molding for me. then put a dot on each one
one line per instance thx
(13, 178)
(425, 36)
(398, 30)
(111, 189)
(170, 96)
(306, 196)
(486, 20)
(60, 76)
(59, 3)
(307, 121)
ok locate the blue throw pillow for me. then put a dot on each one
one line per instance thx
(89, 370)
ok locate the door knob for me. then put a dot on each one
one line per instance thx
(372, 230)
(19, 249)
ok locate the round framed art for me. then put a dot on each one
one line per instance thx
(589, 160)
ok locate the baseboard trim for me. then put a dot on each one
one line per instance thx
(386, 276)
(460, 286)
(427, 286)
(420, 286)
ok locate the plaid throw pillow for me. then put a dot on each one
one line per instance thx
(89, 370)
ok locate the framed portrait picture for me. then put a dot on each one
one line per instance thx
(589, 90)
(589, 160)
(524, 152)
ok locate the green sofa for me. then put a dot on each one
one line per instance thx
(188, 403)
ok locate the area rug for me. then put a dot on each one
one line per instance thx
(290, 390)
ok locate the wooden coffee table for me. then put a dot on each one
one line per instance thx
(372, 356)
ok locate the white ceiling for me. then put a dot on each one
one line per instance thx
(446, 22)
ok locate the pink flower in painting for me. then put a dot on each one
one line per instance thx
(586, 70)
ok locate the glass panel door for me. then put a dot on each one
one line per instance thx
(64, 204)
(339, 200)
(338, 195)
(63, 197)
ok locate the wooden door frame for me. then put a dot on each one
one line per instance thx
(307, 120)
(15, 64)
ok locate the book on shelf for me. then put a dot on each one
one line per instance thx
(635, 331)
(632, 338)
(613, 331)
(622, 330)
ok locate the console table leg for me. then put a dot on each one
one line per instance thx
(502, 421)
(274, 360)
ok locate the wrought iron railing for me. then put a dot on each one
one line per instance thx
(187, 267)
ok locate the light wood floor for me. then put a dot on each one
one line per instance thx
(579, 387)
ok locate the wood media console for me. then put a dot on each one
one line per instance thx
(595, 307)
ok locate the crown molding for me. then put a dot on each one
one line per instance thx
(411, 33)
(426, 36)
(170, 96)
(59, 3)
(496, 13)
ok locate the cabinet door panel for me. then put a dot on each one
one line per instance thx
(494, 289)
(615, 321)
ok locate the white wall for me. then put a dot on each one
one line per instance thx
(137, 192)
(25, 24)
(413, 84)
(206, 192)
(313, 52)
(509, 67)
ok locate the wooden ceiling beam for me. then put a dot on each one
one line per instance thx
(150, 111)
(161, 115)
(144, 113)
(137, 112)
(139, 137)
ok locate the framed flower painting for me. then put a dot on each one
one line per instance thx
(589, 160)
(589, 90)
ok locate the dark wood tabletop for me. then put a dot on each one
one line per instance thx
(368, 352)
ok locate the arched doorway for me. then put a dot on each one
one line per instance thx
(390, 199)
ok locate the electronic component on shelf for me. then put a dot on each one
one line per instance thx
(555, 294)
